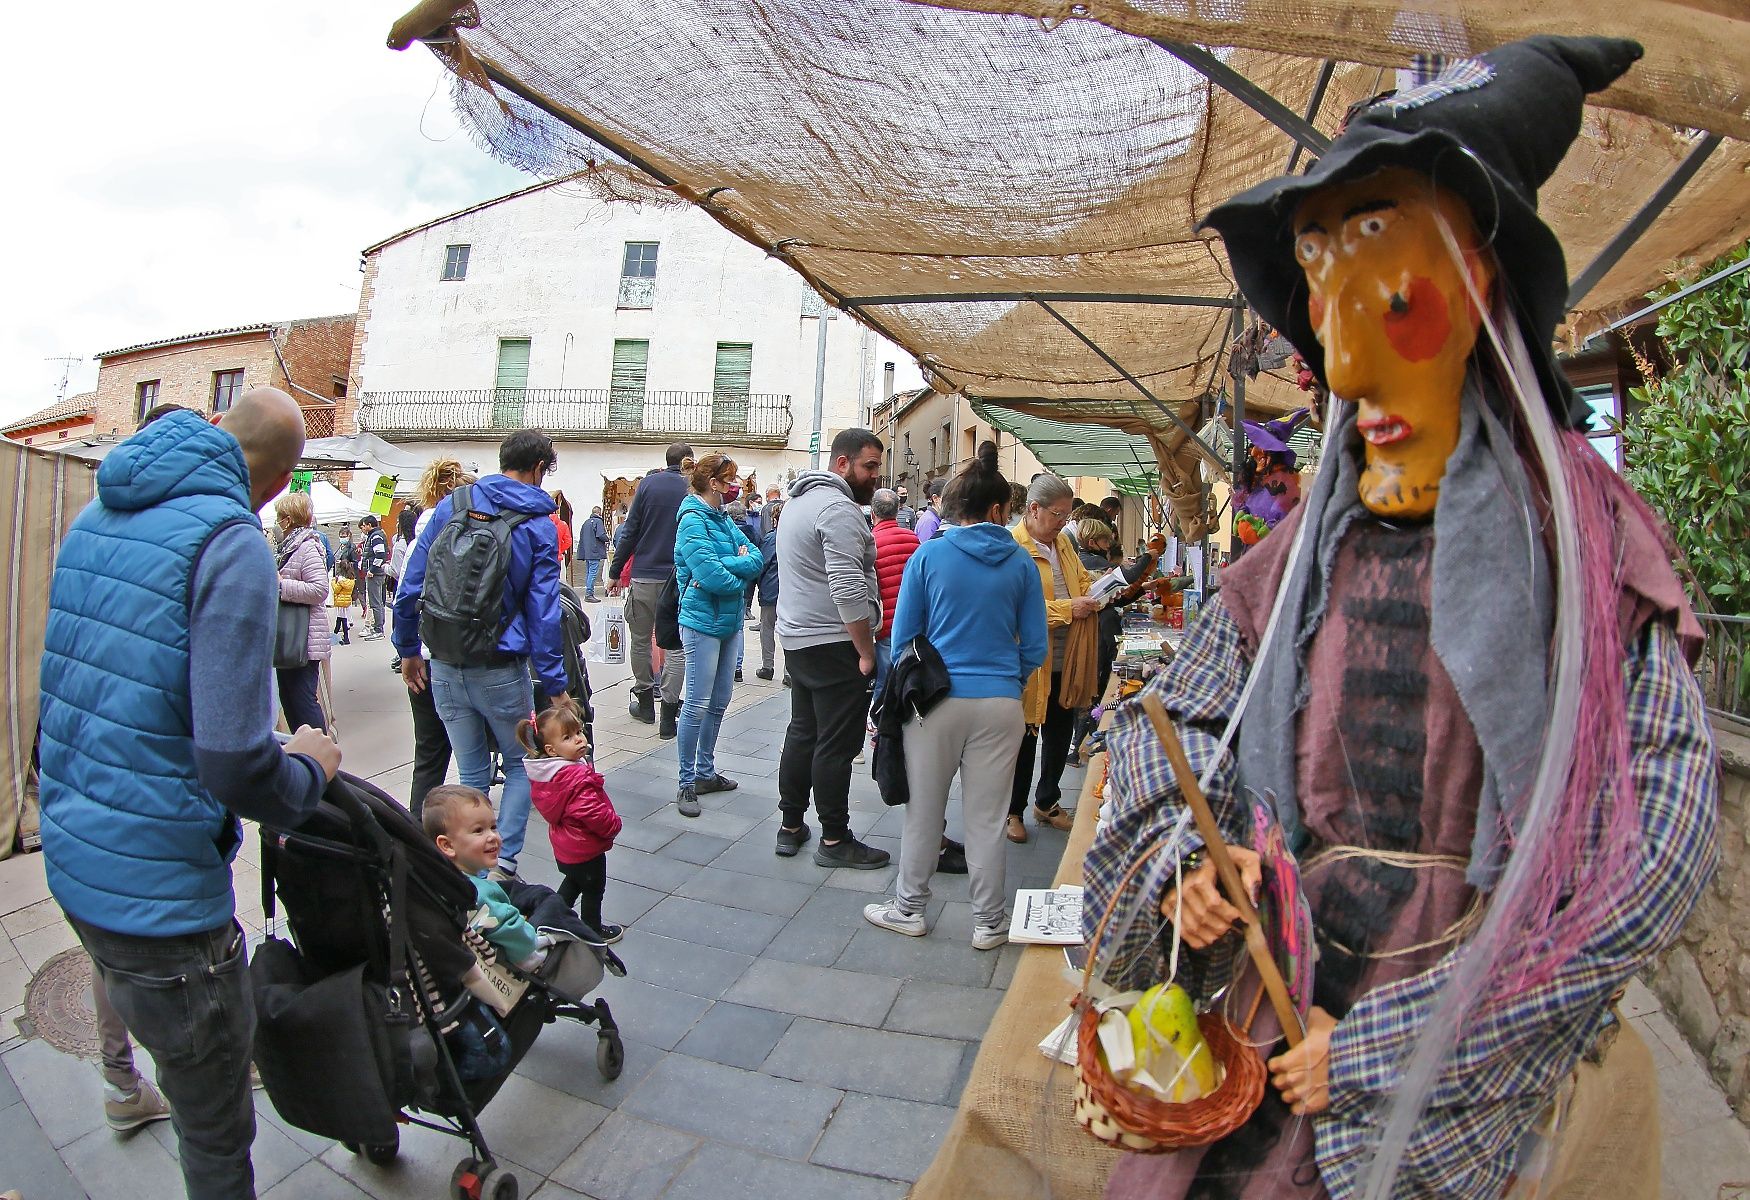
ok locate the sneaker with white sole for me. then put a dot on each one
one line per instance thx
(988, 937)
(889, 915)
(125, 1112)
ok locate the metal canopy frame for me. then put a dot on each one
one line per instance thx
(1248, 93)
(1177, 420)
(1643, 220)
(436, 18)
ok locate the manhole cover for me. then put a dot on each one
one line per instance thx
(58, 1001)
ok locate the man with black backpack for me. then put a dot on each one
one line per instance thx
(481, 588)
(649, 532)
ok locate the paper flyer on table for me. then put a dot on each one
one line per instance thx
(1047, 916)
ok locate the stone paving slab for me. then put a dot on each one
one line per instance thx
(762, 1112)
(726, 1173)
(736, 1035)
(777, 1046)
(873, 1061)
(878, 1135)
(626, 1159)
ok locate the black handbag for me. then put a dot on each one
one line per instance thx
(291, 636)
(291, 631)
(668, 615)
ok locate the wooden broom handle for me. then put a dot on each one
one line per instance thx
(1257, 945)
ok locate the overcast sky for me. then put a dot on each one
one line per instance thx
(194, 165)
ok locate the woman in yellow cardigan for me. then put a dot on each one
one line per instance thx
(1065, 582)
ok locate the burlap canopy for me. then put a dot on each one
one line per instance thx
(897, 153)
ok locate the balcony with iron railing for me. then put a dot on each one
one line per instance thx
(590, 414)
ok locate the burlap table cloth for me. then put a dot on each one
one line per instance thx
(1014, 1138)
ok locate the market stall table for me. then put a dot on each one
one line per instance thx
(1013, 1137)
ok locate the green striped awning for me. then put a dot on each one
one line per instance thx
(1070, 449)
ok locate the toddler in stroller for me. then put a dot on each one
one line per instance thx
(378, 975)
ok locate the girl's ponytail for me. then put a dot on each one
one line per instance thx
(528, 736)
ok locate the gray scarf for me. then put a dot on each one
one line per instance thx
(1493, 609)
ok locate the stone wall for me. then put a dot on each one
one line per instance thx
(1704, 980)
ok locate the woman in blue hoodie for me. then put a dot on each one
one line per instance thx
(713, 563)
(974, 594)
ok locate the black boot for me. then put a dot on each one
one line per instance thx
(643, 707)
(665, 729)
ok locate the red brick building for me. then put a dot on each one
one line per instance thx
(64, 420)
(208, 371)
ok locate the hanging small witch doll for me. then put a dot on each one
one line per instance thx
(1268, 486)
(1459, 669)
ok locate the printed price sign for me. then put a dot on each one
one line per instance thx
(384, 496)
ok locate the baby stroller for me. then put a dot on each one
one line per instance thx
(352, 1012)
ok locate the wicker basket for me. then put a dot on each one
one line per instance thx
(1133, 1119)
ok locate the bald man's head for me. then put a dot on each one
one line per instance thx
(269, 425)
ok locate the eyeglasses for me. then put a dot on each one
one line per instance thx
(1061, 516)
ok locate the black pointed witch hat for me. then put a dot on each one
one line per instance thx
(1491, 129)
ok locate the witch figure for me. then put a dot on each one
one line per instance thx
(1268, 487)
(1473, 710)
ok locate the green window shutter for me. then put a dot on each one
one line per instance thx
(512, 383)
(626, 394)
(730, 386)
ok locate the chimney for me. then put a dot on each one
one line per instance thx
(886, 381)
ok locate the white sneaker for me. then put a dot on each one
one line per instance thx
(988, 937)
(889, 915)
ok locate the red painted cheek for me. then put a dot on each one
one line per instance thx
(1421, 330)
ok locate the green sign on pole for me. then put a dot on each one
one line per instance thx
(301, 481)
(814, 442)
(384, 496)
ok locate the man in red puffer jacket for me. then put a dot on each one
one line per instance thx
(894, 546)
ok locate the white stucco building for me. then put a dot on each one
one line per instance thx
(617, 327)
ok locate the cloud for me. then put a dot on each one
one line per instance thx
(189, 166)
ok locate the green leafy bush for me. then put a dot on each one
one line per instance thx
(1687, 450)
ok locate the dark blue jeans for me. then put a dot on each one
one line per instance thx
(187, 1000)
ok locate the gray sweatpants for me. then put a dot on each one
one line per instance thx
(768, 635)
(979, 739)
(641, 598)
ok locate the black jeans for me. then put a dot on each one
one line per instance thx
(298, 696)
(829, 697)
(1055, 733)
(431, 748)
(187, 1000)
(585, 884)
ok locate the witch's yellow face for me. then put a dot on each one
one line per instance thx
(1393, 311)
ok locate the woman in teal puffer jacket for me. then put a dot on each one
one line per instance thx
(713, 563)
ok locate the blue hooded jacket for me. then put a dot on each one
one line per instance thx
(531, 586)
(974, 593)
(710, 572)
(144, 632)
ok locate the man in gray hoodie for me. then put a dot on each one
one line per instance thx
(829, 606)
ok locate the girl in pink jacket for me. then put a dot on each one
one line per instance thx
(567, 791)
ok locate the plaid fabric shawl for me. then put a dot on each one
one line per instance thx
(1511, 1060)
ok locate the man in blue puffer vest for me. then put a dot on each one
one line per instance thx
(157, 734)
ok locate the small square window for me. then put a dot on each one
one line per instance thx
(640, 261)
(145, 398)
(227, 387)
(456, 262)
